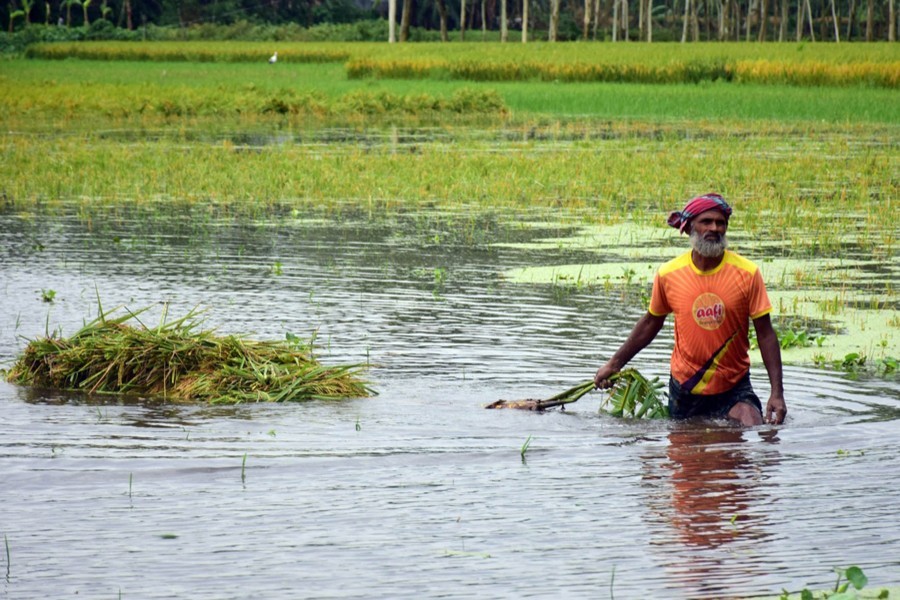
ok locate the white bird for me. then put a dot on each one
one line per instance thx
(274, 59)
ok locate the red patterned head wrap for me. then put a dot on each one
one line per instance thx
(681, 220)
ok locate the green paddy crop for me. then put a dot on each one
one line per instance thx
(812, 174)
(690, 71)
(194, 52)
(74, 95)
(492, 53)
(778, 183)
(847, 65)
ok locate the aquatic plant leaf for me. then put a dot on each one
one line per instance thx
(856, 577)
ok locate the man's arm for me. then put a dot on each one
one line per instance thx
(643, 333)
(771, 355)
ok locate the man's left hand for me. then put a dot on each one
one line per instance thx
(775, 410)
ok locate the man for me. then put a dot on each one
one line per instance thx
(714, 294)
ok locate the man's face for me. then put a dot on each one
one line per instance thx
(708, 233)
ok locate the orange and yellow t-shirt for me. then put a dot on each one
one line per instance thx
(712, 318)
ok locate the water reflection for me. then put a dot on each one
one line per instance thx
(136, 411)
(711, 502)
(715, 485)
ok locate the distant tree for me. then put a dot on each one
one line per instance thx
(69, 5)
(524, 21)
(462, 20)
(405, 17)
(442, 11)
(554, 20)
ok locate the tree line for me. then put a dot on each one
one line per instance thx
(506, 20)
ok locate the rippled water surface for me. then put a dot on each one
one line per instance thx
(418, 492)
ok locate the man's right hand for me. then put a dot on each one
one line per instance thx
(601, 379)
(643, 333)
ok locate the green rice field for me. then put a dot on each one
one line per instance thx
(466, 223)
(813, 171)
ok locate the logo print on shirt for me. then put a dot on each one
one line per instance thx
(709, 311)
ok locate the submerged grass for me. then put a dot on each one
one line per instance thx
(777, 183)
(178, 361)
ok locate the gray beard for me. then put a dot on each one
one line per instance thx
(708, 248)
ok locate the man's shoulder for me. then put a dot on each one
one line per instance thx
(679, 262)
(739, 262)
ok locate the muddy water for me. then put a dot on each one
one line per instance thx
(418, 492)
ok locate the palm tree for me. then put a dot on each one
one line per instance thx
(69, 4)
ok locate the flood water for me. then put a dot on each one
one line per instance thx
(417, 492)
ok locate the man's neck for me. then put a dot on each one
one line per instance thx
(706, 263)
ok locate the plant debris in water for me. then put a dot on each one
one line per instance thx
(179, 361)
(632, 396)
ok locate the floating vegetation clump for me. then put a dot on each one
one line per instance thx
(631, 396)
(178, 361)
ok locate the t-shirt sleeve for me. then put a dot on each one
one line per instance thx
(759, 298)
(659, 306)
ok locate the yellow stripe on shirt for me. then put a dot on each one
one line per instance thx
(711, 371)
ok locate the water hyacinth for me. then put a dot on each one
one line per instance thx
(180, 362)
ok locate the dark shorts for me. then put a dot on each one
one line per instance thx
(684, 405)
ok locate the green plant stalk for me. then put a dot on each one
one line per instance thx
(525, 447)
(574, 393)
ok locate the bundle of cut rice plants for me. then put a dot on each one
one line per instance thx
(635, 396)
(567, 397)
(631, 396)
(179, 361)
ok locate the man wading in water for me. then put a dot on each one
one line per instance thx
(714, 294)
